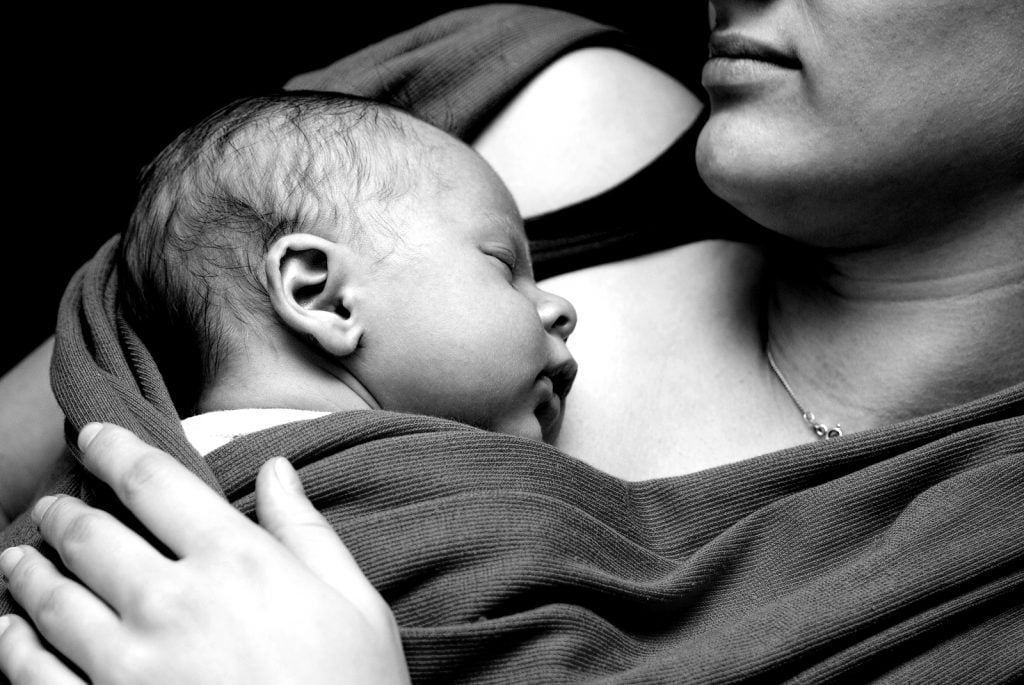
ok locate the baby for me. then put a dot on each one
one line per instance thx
(322, 252)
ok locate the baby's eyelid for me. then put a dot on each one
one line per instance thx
(505, 256)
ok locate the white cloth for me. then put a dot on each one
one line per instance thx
(209, 431)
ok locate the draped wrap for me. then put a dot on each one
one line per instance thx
(898, 552)
(894, 554)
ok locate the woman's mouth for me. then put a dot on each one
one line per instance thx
(737, 63)
(738, 47)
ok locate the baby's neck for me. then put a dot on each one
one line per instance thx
(268, 377)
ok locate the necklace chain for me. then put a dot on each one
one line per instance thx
(823, 431)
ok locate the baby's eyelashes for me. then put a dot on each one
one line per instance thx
(507, 258)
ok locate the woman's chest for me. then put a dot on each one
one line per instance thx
(672, 376)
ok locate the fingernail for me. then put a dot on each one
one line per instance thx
(41, 507)
(88, 434)
(286, 475)
(9, 559)
(5, 623)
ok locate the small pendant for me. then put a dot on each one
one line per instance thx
(821, 430)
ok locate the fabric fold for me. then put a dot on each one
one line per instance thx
(895, 554)
(456, 70)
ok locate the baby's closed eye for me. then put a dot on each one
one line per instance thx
(506, 257)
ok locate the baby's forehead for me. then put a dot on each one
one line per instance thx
(505, 223)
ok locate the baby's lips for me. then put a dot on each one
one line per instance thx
(549, 414)
(562, 375)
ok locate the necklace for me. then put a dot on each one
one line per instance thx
(823, 431)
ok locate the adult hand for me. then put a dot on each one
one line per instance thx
(281, 603)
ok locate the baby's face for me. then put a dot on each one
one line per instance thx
(457, 326)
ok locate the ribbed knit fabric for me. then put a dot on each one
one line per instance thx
(897, 553)
(456, 71)
(894, 555)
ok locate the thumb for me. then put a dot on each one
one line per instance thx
(284, 511)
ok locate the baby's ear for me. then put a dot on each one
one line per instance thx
(308, 277)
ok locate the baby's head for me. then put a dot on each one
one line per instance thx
(345, 240)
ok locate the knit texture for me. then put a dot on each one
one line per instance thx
(894, 555)
(456, 71)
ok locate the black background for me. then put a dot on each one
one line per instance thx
(93, 97)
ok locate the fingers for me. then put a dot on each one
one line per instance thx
(169, 500)
(24, 660)
(107, 556)
(64, 612)
(284, 511)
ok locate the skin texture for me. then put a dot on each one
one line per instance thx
(31, 435)
(891, 144)
(222, 563)
(866, 327)
(455, 323)
(441, 316)
(916, 99)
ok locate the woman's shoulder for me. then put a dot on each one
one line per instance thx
(586, 122)
(598, 150)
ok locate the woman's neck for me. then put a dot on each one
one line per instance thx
(870, 337)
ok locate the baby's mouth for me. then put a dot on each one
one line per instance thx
(549, 412)
(549, 415)
(562, 376)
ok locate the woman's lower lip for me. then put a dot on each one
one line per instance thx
(735, 72)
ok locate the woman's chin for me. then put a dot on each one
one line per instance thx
(758, 178)
(741, 177)
(731, 156)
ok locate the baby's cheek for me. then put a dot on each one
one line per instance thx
(522, 424)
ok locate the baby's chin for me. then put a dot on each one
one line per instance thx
(543, 425)
(549, 420)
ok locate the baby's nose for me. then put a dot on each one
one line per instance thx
(557, 314)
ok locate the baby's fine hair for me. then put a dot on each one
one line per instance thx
(215, 199)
